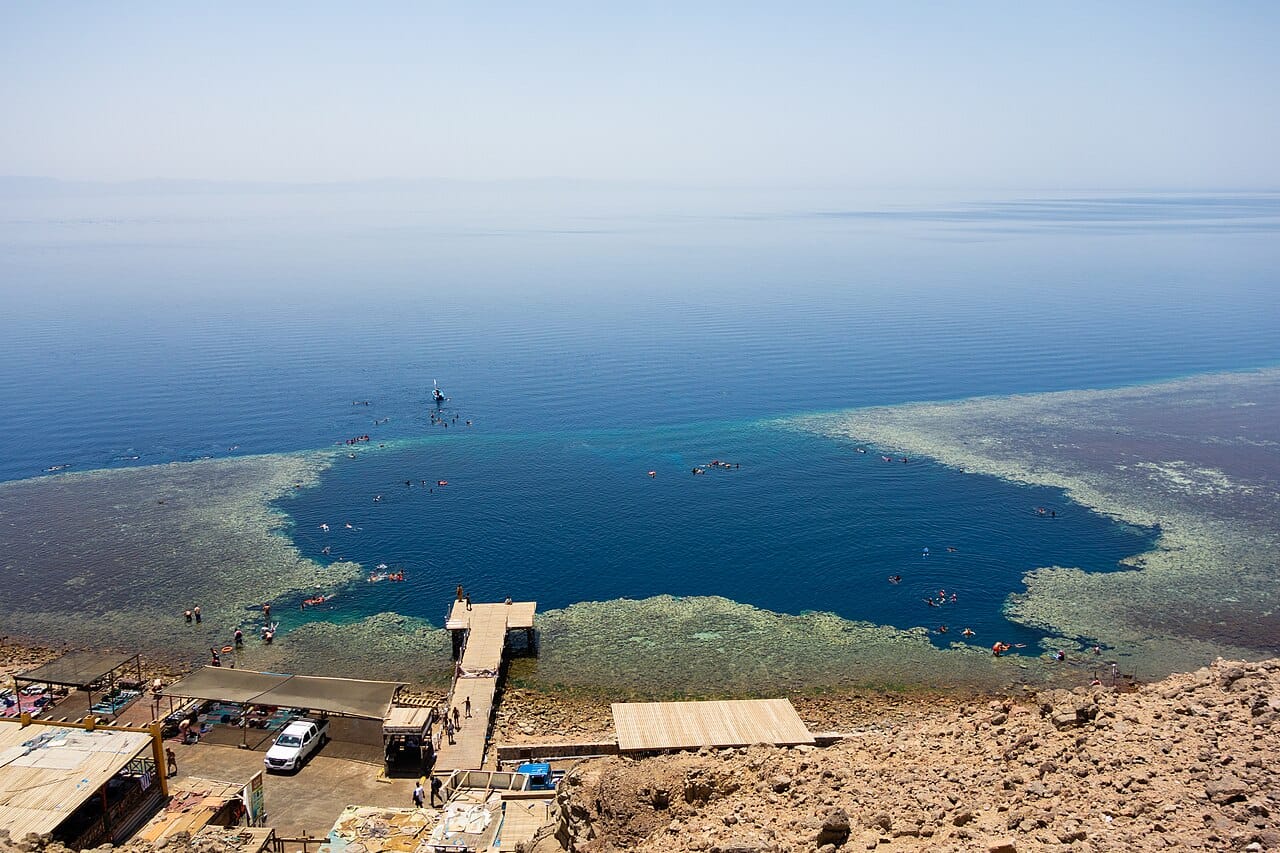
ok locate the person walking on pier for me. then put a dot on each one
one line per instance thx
(467, 707)
(418, 794)
(172, 761)
(467, 599)
(457, 723)
(448, 729)
(435, 790)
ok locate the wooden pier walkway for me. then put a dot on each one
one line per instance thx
(485, 628)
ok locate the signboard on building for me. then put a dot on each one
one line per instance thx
(255, 803)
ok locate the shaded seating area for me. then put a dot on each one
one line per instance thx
(109, 681)
(247, 708)
(349, 697)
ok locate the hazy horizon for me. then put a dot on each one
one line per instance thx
(1151, 96)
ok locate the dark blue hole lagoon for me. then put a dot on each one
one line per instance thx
(789, 522)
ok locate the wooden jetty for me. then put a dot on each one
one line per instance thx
(655, 726)
(480, 634)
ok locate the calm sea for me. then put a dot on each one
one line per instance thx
(591, 335)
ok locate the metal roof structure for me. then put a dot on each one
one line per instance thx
(46, 773)
(401, 720)
(193, 803)
(348, 697)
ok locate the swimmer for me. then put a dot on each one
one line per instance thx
(325, 527)
(348, 526)
(377, 499)
(942, 629)
(1061, 655)
(326, 549)
(895, 578)
(951, 549)
(968, 632)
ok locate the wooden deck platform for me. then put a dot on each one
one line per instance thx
(486, 626)
(519, 614)
(647, 726)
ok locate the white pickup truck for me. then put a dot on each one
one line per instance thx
(298, 740)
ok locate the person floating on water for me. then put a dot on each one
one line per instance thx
(895, 578)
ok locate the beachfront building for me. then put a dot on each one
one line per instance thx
(83, 783)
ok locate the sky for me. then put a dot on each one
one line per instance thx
(1144, 95)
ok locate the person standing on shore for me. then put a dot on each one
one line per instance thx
(435, 790)
(172, 761)
(418, 794)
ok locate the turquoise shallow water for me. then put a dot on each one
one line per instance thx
(594, 340)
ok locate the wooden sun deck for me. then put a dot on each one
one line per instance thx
(647, 726)
(486, 626)
(519, 614)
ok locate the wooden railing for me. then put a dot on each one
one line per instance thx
(285, 845)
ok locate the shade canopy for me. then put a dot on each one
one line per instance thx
(78, 669)
(348, 697)
(222, 684)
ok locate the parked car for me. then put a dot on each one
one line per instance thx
(295, 744)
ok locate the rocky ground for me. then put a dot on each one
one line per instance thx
(211, 840)
(18, 657)
(1191, 762)
(1187, 763)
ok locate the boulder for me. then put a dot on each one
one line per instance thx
(834, 829)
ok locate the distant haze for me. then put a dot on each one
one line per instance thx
(1152, 95)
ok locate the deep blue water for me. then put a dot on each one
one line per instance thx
(596, 336)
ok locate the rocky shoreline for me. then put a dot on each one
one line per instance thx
(1189, 763)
